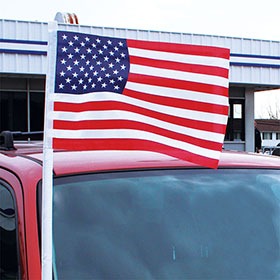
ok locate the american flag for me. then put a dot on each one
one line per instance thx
(121, 94)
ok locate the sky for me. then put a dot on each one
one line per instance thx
(239, 18)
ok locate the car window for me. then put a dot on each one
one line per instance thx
(168, 224)
(8, 235)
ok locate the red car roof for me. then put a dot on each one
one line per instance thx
(66, 162)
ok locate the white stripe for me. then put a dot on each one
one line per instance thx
(179, 75)
(134, 134)
(108, 96)
(178, 93)
(24, 47)
(183, 58)
(123, 115)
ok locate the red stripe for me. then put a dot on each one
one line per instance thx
(178, 84)
(132, 144)
(180, 48)
(126, 124)
(179, 66)
(178, 103)
(113, 105)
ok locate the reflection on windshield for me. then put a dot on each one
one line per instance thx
(169, 224)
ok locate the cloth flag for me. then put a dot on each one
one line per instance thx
(122, 94)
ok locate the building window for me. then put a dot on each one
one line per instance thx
(278, 136)
(22, 104)
(267, 135)
(9, 257)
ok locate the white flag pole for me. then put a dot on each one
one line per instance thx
(47, 186)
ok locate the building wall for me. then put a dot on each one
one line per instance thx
(23, 50)
(254, 65)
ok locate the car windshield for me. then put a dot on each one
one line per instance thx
(168, 224)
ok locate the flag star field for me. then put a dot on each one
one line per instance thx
(89, 63)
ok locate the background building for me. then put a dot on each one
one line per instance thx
(270, 132)
(254, 66)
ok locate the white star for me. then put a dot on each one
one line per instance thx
(74, 87)
(123, 67)
(87, 62)
(77, 50)
(103, 69)
(93, 85)
(62, 74)
(98, 40)
(70, 43)
(82, 69)
(64, 37)
(95, 73)
(116, 48)
(106, 58)
(87, 39)
(91, 67)
(88, 50)
(86, 74)
(85, 86)
(104, 85)
(99, 79)
(82, 44)
(75, 75)
(81, 81)
(89, 80)
(69, 68)
(64, 49)
(115, 72)
(100, 51)
(76, 38)
(112, 81)
(117, 60)
(61, 86)
(122, 55)
(68, 80)
(116, 87)
(120, 44)
(63, 61)
(94, 56)
(83, 56)
(98, 62)
(109, 42)
(93, 45)
(107, 75)
(70, 56)
(111, 53)
(111, 65)
(120, 78)
(76, 62)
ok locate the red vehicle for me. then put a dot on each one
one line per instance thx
(141, 215)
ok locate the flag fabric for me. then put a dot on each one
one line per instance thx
(122, 94)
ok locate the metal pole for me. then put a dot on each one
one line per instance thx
(47, 193)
